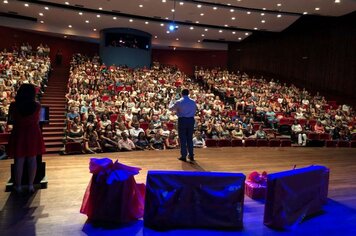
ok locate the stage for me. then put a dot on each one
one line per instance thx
(55, 210)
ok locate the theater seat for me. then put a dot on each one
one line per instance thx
(262, 143)
(224, 143)
(330, 143)
(313, 136)
(353, 144)
(144, 125)
(274, 143)
(325, 136)
(236, 143)
(286, 143)
(250, 143)
(211, 142)
(343, 143)
(73, 148)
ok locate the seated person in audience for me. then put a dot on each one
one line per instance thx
(126, 144)
(157, 143)
(75, 133)
(260, 133)
(198, 141)
(156, 122)
(299, 115)
(91, 121)
(164, 131)
(122, 129)
(307, 127)
(173, 117)
(271, 117)
(212, 131)
(150, 132)
(297, 132)
(72, 114)
(104, 122)
(336, 132)
(108, 142)
(172, 140)
(91, 144)
(142, 142)
(237, 133)
(135, 131)
(319, 128)
(224, 132)
(249, 132)
(128, 117)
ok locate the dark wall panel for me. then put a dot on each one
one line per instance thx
(317, 53)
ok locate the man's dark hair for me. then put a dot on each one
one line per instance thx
(185, 92)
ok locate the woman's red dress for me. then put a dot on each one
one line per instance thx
(26, 137)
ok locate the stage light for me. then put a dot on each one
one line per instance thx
(172, 27)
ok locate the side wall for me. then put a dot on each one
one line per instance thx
(318, 53)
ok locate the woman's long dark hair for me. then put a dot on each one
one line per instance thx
(25, 99)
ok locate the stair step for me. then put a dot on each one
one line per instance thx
(53, 104)
(56, 116)
(53, 101)
(53, 149)
(53, 134)
(53, 98)
(54, 144)
(52, 129)
(57, 120)
(57, 124)
(53, 139)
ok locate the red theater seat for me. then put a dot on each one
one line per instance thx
(250, 143)
(286, 143)
(330, 143)
(113, 118)
(353, 144)
(211, 142)
(236, 143)
(262, 143)
(144, 125)
(343, 143)
(313, 136)
(170, 126)
(73, 148)
(325, 136)
(274, 143)
(224, 143)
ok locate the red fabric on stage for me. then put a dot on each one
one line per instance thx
(26, 137)
(113, 194)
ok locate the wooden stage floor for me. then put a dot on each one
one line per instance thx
(55, 210)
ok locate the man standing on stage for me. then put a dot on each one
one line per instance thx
(185, 108)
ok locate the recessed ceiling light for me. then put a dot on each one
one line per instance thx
(262, 14)
(41, 14)
(199, 6)
(279, 15)
(202, 14)
(114, 17)
(177, 39)
(167, 32)
(203, 35)
(46, 8)
(255, 28)
(80, 13)
(162, 24)
(87, 21)
(67, 3)
(317, 9)
(94, 29)
(146, 22)
(264, 8)
(220, 31)
(198, 41)
(172, 10)
(41, 21)
(232, 10)
(174, 48)
(279, 4)
(131, 20)
(305, 13)
(26, 5)
(70, 26)
(337, 1)
(229, 4)
(100, 8)
(166, 18)
(164, 1)
(191, 27)
(239, 38)
(226, 25)
(233, 18)
(5, 1)
(181, 3)
(263, 21)
(156, 36)
(197, 22)
(233, 32)
(65, 36)
(98, 16)
(246, 34)
(248, 13)
(205, 30)
(140, 5)
(215, 8)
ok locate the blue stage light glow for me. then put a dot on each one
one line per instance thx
(171, 27)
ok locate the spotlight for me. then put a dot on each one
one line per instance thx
(171, 27)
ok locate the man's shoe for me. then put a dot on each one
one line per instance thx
(191, 159)
(182, 159)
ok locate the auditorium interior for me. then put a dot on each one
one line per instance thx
(275, 127)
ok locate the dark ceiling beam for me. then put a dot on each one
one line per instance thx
(16, 16)
(126, 15)
(220, 5)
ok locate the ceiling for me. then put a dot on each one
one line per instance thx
(198, 21)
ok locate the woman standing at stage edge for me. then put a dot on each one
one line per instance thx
(185, 108)
(26, 141)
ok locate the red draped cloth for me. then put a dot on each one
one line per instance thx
(113, 195)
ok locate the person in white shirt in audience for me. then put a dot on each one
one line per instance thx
(297, 130)
(198, 141)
